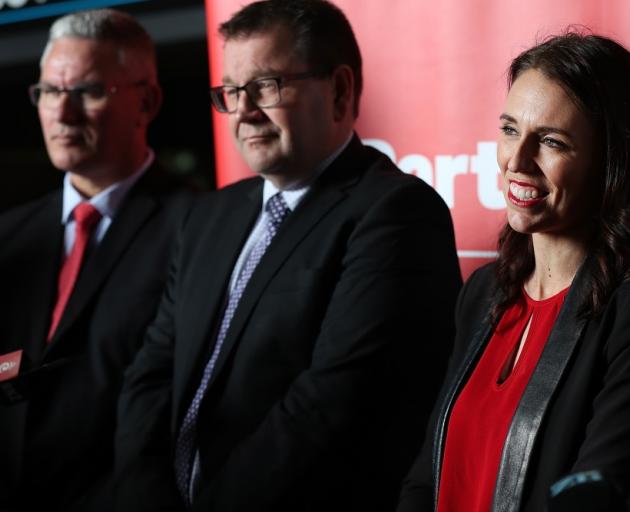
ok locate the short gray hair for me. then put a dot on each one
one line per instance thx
(107, 25)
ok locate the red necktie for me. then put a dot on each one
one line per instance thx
(86, 217)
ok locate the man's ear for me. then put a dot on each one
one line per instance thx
(151, 103)
(343, 91)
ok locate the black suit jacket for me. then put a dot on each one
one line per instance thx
(56, 443)
(331, 360)
(574, 414)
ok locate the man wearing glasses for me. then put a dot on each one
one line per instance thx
(307, 320)
(82, 269)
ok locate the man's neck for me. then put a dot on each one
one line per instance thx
(94, 181)
(283, 182)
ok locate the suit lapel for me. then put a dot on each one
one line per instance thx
(134, 212)
(324, 195)
(206, 290)
(531, 409)
(48, 235)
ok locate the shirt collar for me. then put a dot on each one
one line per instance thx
(107, 201)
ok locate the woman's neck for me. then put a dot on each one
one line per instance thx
(557, 260)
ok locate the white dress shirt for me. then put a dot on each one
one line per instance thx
(106, 202)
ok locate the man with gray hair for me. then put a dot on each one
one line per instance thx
(82, 269)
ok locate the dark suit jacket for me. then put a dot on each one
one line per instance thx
(58, 442)
(575, 412)
(329, 366)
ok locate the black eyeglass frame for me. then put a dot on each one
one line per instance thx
(75, 92)
(216, 92)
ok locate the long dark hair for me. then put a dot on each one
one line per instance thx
(595, 73)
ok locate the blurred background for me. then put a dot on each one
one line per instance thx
(434, 85)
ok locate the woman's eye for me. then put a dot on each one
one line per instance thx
(507, 129)
(553, 143)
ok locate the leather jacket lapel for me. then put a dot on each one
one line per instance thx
(529, 414)
(521, 437)
(480, 340)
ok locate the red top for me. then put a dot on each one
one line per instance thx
(482, 413)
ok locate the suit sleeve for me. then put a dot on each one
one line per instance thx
(606, 445)
(392, 300)
(144, 476)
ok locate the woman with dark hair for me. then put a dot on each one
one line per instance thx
(538, 386)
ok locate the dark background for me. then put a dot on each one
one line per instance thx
(181, 134)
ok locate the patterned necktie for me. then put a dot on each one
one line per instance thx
(86, 217)
(186, 467)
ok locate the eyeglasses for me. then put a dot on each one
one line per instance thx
(88, 96)
(263, 92)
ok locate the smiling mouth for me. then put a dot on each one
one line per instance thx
(524, 194)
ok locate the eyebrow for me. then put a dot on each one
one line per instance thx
(542, 129)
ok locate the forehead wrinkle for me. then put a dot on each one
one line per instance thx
(75, 60)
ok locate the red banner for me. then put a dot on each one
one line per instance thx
(434, 87)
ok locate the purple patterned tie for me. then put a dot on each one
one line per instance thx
(186, 455)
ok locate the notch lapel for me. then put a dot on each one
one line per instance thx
(207, 286)
(42, 278)
(326, 193)
(138, 207)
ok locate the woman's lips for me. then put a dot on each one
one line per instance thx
(524, 194)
